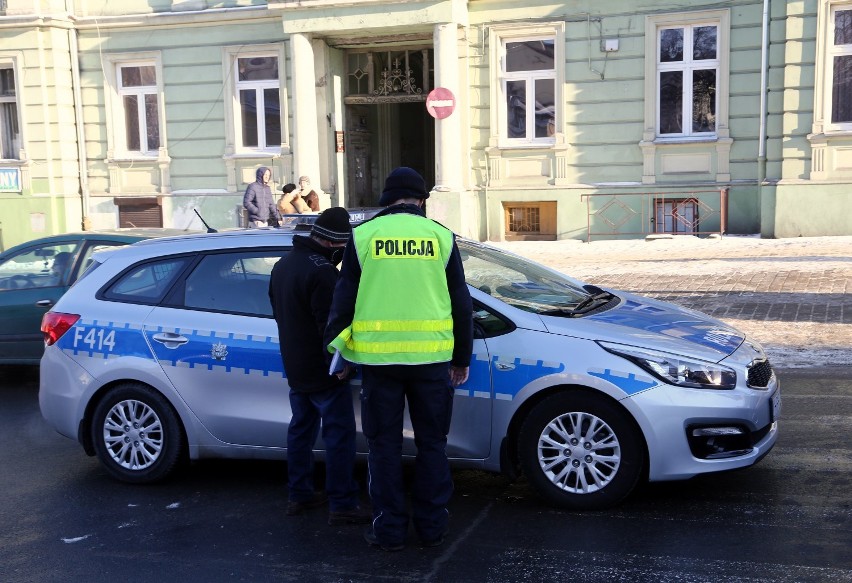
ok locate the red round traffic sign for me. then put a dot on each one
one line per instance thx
(440, 102)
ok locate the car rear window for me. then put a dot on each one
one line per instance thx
(146, 283)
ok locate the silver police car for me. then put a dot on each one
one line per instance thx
(166, 350)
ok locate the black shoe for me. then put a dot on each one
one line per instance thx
(295, 507)
(371, 539)
(435, 542)
(355, 515)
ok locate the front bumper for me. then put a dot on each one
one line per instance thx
(696, 431)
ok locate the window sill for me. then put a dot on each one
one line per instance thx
(831, 135)
(249, 155)
(528, 146)
(131, 159)
(686, 140)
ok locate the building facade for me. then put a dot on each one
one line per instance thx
(573, 119)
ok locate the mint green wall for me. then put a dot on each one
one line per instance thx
(122, 7)
(49, 179)
(192, 60)
(813, 210)
(603, 108)
(194, 95)
(603, 105)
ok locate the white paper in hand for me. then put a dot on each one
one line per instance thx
(337, 363)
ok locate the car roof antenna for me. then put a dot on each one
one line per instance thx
(209, 228)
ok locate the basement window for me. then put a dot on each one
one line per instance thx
(530, 221)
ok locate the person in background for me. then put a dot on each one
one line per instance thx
(300, 291)
(402, 310)
(258, 200)
(308, 195)
(290, 202)
(59, 269)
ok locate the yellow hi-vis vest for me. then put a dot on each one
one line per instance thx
(403, 313)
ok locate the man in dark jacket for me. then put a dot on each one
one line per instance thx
(300, 291)
(402, 311)
(258, 200)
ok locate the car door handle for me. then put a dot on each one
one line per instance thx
(44, 303)
(170, 339)
(504, 365)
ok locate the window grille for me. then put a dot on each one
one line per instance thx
(524, 220)
(389, 76)
(677, 216)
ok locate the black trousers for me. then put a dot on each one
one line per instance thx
(384, 391)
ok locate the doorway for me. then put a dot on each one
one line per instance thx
(386, 122)
(384, 136)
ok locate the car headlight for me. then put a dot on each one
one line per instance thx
(675, 369)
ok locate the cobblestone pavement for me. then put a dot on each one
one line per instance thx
(793, 295)
(790, 296)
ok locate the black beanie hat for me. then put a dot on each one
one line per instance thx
(403, 183)
(333, 225)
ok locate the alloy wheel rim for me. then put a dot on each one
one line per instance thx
(579, 453)
(133, 434)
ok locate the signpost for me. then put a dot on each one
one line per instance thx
(440, 103)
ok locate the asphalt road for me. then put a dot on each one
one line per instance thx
(787, 519)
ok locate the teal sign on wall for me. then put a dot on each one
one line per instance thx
(10, 180)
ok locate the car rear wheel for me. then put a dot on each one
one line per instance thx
(580, 451)
(137, 434)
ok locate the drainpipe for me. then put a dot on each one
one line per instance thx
(764, 81)
(86, 224)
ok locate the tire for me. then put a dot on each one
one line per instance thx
(558, 451)
(137, 435)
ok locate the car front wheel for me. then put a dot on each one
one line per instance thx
(580, 451)
(137, 434)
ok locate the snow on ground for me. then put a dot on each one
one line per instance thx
(810, 276)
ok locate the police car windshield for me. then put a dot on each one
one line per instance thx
(517, 281)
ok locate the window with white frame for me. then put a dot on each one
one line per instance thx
(139, 95)
(687, 75)
(10, 131)
(529, 80)
(258, 123)
(840, 68)
(529, 84)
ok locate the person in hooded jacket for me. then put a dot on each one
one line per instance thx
(300, 291)
(258, 200)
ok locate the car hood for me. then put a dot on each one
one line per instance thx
(648, 323)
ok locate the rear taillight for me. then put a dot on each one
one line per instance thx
(55, 324)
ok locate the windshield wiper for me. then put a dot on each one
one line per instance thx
(598, 298)
(592, 302)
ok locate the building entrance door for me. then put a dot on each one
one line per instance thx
(387, 124)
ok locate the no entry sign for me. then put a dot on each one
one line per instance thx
(440, 102)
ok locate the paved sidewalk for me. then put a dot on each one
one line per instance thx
(792, 295)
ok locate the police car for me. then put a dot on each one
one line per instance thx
(166, 350)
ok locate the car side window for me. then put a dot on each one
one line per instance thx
(487, 324)
(39, 267)
(236, 282)
(146, 283)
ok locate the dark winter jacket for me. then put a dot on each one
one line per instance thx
(345, 293)
(300, 291)
(258, 199)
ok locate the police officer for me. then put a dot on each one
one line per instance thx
(402, 310)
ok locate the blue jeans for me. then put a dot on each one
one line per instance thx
(333, 408)
(384, 391)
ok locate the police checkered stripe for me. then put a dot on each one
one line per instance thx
(101, 354)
